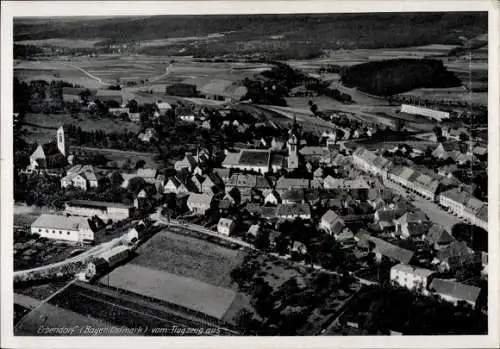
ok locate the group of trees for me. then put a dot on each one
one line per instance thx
(390, 77)
(285, 309)
(39, 96)
(389, 308)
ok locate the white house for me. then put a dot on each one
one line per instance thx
(226, 226)
(174, 185)
(80, 176)
(410, 277)
(74, 229)
(199, 203)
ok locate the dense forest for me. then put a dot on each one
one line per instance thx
(390, 77)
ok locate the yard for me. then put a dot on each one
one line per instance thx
(190, 257)
(184, 291)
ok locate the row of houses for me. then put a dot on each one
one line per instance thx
(456, 200)
(461, 203)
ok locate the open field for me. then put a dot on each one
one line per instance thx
(119, 155)
(53, 70)
(444, 95)
(60, 42)
(189, 257)
(49, 124)
(183, 291)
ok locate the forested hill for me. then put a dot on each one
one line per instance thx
(386, 78)
(316, 30)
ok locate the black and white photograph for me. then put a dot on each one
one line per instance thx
(250, 174)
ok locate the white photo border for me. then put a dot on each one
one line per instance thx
(11, 9)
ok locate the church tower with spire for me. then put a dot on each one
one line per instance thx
(293, 146)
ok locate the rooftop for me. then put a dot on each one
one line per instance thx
(456, 290)
(255, 157)
(413, 270)
(97, 204)
(60, 222)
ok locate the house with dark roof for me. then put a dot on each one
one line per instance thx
(223, 173)
(293, 196)
(384, 249)
(283, 184)
(332, 223)
(413, 225)
(438, 237)
(455, 292)
(188, 162)
(256, 160)
(454, 256)
(385, 217)
(292, 211)
(211, 184)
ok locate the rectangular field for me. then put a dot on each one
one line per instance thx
(190, 257)
(183, 291)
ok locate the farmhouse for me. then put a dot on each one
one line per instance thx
(104, 210)
(410, 277)
(74, 229)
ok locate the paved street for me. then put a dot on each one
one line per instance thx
(435, 213)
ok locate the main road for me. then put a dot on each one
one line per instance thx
(433, 210)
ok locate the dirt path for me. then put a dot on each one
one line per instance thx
(86, 73)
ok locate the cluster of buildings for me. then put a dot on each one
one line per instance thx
(455, 199)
